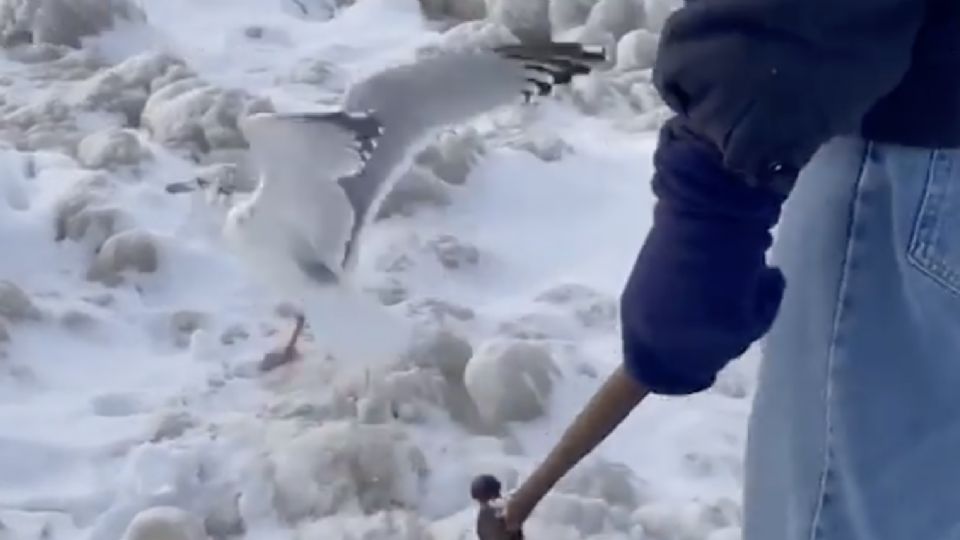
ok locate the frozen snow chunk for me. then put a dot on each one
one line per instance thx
(183, 324)
(195, 116)
(111, 148)
(316, 409)
(588, 517)
(444, 350)
(453, 253)
(538, 326)
(62, 22)
(511, 380)
(95, 224)
(391, 525)
(545, 147)
(658, 11)
(51, 111)
(171, 425)
(320, 72)
(483, 33)
(616, 17)
(569, 14)
(463, 10)
(416, 189)
(596, 95)
(51, 137)
(637, 49)
(671, 521)
(171, 113)
(613, 483)
(453, 155)
(529, 20)
(390, 292)
(590, 308)
(133, 250)
(234, 334)
(404, 395)
(440, 311)
(220, 121)
(727, 533)
(165, 523)
(224, 519)
(339, 466)
(78, 321)
(83, 213)
(15, 304)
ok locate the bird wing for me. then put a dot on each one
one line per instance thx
(300, 157)
(361, 148)
(413, 100)
(454, 86)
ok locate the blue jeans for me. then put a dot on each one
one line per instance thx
(855, 430)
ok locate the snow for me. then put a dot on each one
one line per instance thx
(131, 405)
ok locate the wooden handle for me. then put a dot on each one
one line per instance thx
(608, 407)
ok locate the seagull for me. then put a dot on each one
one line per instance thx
(324, 175)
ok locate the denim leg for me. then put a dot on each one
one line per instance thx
(855, 430)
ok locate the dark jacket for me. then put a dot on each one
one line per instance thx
(769, 81)
(758, 86)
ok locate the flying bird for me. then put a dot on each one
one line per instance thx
(324, 175)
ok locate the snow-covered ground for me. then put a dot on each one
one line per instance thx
(130, 336)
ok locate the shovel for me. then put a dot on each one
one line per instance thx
(607, 409)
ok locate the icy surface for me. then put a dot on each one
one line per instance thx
(131, 403)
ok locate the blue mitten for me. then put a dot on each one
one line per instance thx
(700, 292)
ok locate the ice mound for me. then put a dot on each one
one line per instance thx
(462, 10)
(343, 467)
(124, 88)
(529, 20)
(453, 155)
(111, 148)
(61, 22)
(165, 523)
(15, 304)
(132, 250)
(511, 380)
(589, 307)
(568, 14)
(637, 49)
(85, 212)
(198, 117)
(614, 18)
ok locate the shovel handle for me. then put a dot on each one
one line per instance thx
(606, 410)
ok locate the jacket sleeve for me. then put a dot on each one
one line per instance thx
(769, 81)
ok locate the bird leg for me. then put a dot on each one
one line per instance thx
(289, 353)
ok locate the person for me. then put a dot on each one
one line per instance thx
(837, 123)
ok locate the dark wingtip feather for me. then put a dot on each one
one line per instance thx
(559, 60)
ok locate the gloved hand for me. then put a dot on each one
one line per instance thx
(700, 292)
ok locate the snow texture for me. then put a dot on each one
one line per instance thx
(61, 22)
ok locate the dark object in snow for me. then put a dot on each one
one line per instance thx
(485, 488)
(490, 525)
